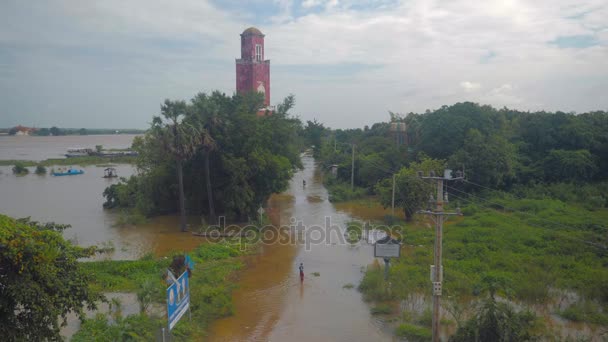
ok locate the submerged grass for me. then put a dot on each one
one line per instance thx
(211, 286)
(528, 246)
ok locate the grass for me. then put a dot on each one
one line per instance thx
(585, 312)
(381, 309)
(211, 285)
(528, 248)
(348, 286)
(413, 332)
(82, 161)
(316, 274)
(341, 191)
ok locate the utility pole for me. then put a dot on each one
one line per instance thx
(393, 200)
(437, 269)
(352, 171)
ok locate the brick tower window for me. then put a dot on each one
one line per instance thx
(258, 52)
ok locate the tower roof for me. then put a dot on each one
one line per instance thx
(252, 30)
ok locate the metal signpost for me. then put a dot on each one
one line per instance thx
(178, 299)
(387, 248)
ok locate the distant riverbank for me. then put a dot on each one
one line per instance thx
(38, 148)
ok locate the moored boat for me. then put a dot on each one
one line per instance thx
(68, 172)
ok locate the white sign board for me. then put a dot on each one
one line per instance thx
(387, 250)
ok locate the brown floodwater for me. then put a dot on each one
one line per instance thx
(271, 304)
(77, 200)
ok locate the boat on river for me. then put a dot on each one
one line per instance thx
(110, 173)
(68, 172)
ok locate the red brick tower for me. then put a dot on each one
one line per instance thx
(252, 71)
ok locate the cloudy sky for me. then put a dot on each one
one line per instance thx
(109, 63)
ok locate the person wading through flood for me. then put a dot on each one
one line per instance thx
(301, 272)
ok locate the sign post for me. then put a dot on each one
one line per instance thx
(387, 248)
(178, 299)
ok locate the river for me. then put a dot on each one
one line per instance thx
(77, 200)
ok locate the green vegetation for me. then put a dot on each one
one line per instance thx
(42, 280)
(211, 156)
(132, 328)
(40, 169)
(413, 332)
(381, 309)
(531, 247)
(348, 286)
(316, 274)
(211, 285)
(20, 169)
(82, 161)
(586, 311)
(503, 149)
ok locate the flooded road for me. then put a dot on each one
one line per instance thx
(272, 304)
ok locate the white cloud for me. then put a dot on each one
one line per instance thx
(470, 86)
(401, 56)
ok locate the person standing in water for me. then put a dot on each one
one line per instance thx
(301, 272)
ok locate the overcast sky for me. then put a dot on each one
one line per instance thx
(110, 63)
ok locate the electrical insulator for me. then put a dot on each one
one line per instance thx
(445, 197)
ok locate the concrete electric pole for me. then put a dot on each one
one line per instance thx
(352, 171)
(437, 268)
(393, 199)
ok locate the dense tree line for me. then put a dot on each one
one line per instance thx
(215, 152)
(498, 148)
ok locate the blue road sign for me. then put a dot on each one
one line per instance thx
(178, 299)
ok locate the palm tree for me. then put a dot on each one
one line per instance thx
(181, 139)
(207, 111)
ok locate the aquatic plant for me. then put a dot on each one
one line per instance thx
(40, 169)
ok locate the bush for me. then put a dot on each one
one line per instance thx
(20, 169)
(40, 169)
(413, 332)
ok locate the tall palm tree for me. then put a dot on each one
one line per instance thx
(181, 139)
(207, 111)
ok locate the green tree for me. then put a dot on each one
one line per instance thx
(181, 139)
(489, 161)
(40, 280)
(56, 131)
(562, 165)
(411, 192)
